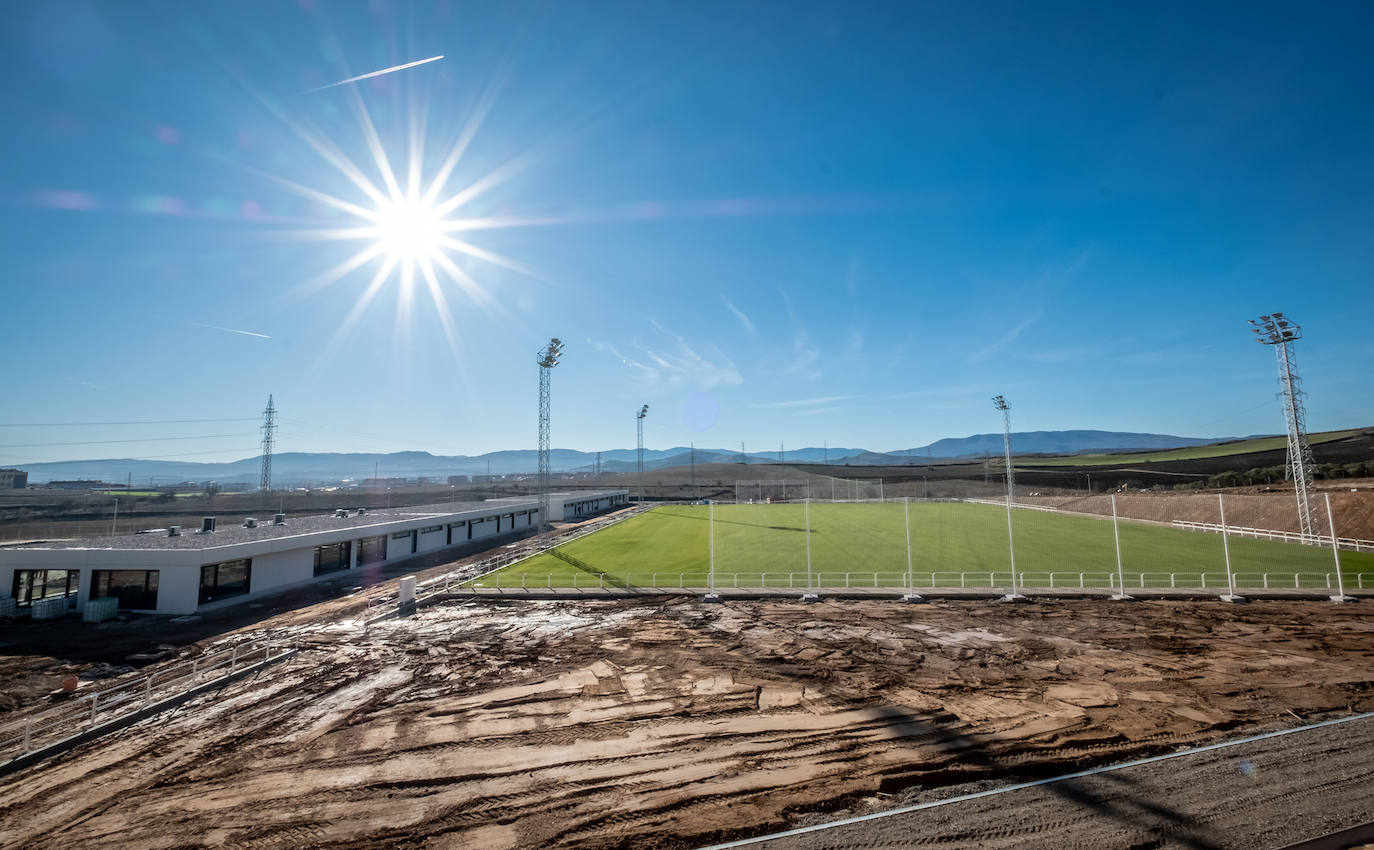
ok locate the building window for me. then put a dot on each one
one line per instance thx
(40, 584)
(225, 579)
(431, 529)
(372, 550)
(133, 588)
(333, 557)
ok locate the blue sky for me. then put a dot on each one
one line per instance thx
(850, 223)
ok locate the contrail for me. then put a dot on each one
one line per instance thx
(231, 330)
(377, 73)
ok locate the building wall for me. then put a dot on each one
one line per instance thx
(277, 562)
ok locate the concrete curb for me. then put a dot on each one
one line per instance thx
(124, 721)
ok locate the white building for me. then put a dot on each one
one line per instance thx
(192, 571)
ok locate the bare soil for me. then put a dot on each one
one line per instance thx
(615, 724)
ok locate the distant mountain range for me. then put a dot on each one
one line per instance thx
(302, 468)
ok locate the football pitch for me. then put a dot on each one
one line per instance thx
(952, 545)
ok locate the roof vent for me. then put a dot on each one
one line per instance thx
(173, 531)
(207, 525)
(362, 511)
(341, 512)
(250, 522)
(279, 519)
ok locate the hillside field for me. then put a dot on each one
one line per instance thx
(865, 545)
(1238, 447)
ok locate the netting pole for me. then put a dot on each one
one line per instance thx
(784, 490)
(881, 498)
(1226, 550)
(1120, 570)
(832, 489)
(1336, 551)
(711, 546)
(807, 509)
(906, 514)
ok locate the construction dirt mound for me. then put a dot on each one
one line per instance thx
(620, 724)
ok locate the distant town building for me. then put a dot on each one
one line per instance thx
(457, 479)
(13, 479)
(387, 482)
(81, 484)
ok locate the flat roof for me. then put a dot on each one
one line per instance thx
(233, 533)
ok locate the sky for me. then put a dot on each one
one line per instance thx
(842, 223)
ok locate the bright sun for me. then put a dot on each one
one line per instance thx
(410, 230)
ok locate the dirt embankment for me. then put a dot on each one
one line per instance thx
(1275, 511)
(619, 725)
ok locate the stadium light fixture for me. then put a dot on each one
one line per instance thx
(639, 436)
(547, 358)
(1278, 330)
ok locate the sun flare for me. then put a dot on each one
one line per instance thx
(409, 230)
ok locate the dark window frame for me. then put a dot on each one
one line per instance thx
(340, 560)
(129, 594)
(215, 589)
(71, 585)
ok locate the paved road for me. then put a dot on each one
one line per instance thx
(1264, 794)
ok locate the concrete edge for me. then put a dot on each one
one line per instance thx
(124, 721)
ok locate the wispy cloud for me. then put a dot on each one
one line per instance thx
(851, 279)
(743, 318)
(1007, 338)
(231, 330)
(804, 351)
(804, 402)
(678, 363)
(819, 410)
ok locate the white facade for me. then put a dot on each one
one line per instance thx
(280, 559)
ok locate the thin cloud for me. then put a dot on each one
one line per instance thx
(804, 402)
(1007, 338)
(743, 319)
(679, 363)
(804, 351)
(231, 330)
(371, 74)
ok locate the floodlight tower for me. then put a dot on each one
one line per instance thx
(639, 457)
(1001, 404)
(269, 431)
(1278, 331)
(547, 358)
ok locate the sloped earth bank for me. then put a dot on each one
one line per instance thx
(613, 724)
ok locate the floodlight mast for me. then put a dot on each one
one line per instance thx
(639, 457)
(1279, 331)
(1000, 403)
(547, 358)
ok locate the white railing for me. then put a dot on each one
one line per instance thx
(1351, 543)
(1104, 580)
(26, 731)
(452, 580)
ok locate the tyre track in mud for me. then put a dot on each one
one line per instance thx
(625, 725)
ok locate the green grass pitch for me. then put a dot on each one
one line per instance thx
(864, 545)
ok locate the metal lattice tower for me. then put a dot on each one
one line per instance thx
(639, 438)
(598, 464)
(1278, 331)
(547, 358)
(269, 431)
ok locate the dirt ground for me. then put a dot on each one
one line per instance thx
(615, 724)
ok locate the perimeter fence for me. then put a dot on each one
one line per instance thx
(894, 544)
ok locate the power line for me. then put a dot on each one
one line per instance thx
(139, 422)
(119, 442)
